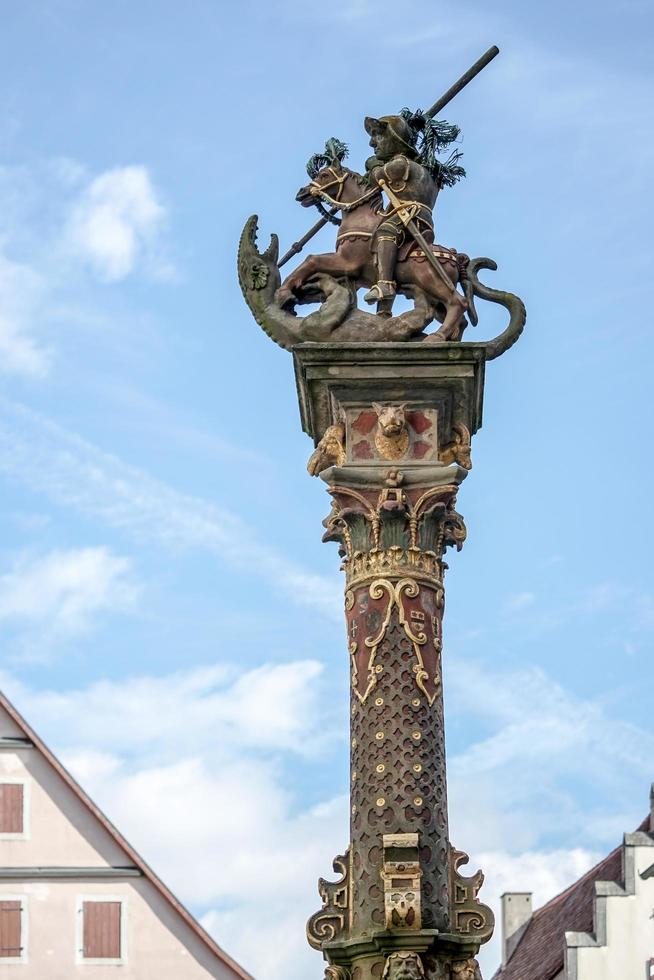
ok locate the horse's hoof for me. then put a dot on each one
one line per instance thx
(435, 338)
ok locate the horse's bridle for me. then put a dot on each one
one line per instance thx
(340, 181)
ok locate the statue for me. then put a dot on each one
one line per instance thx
(330, 451)
(414, 179)
(391, 404)
(385, 243)
(466, 970)
(403, 966)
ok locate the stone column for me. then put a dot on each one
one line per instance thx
(394, 609)
(392, 425)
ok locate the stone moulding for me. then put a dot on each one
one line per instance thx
(449, 377)
(469, 916)
(332, 919)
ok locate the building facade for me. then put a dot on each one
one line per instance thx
(601, 928)
(76, 900)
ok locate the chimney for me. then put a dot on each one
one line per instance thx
(651, 809)
(516, 915)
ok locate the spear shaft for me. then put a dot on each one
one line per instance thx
(465, 79)
(297, 247)
(433, 111)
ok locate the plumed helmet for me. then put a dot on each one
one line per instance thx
(399, 127)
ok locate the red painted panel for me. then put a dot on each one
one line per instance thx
(102, 930)
(365, 423)
(11, 808)
(420, 449)
(418, 421)
(362, 450)
(10, 924)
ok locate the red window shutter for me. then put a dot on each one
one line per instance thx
(11, 808)
(102, 930)
(10, 927)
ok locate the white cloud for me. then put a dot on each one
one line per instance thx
(216, 751)
(60, 220)
(21, 289)
(76, 473)
(115, 223)
(544, 873)
(269, 708)
(538, 750)
(194, 769)
(60, 594)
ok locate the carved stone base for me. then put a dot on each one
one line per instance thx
(392, 955)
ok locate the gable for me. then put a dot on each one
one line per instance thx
(68, 830)
(60, 831)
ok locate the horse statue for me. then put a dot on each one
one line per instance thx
(332, 279)
(360, 205)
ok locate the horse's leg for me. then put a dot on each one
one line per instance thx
(451, 328)
(341, 263)
(455, 305)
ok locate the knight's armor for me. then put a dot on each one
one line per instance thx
(414, 187)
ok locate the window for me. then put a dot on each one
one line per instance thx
(12, 809)
(101, 936)
(12, 930)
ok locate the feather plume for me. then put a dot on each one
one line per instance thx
(432, 137)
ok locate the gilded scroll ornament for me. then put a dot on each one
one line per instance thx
(423, 566)
(419, 614)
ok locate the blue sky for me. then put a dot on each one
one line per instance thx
(170, 622)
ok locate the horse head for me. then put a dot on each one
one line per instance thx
(328, 181)
(336, 186)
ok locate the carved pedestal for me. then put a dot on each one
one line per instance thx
(392, 425)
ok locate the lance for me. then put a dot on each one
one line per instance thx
(440, 104)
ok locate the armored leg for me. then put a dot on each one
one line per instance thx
(384, 288)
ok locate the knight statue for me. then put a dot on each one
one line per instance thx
(405, 148)
(385, 244)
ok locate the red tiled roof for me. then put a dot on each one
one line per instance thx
(540, 953)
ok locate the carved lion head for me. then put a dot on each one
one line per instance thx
(391, 419)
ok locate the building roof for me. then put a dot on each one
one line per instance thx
(540, 953)
(137, 860)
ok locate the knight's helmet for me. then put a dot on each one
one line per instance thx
(404, 134)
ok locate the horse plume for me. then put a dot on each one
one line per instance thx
(335, 152)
